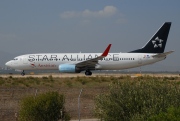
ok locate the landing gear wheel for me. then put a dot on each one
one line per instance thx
(88, 73)
(23, 73)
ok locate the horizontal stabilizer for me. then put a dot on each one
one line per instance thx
(162, 54)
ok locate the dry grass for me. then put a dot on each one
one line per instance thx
(13, 89)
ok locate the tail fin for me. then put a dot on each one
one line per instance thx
(158, 42)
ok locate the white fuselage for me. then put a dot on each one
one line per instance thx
(114, 61)
(151, 52)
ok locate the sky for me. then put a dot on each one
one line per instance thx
(43, 26)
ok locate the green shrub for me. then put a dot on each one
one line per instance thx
(83, 80)
(44, 107)
(10, 77)
(68, 83)
(2, 82)
(37, 82)
(51, 78)
(30, 78)
(137, 99)
(172, 114)
(44, 77)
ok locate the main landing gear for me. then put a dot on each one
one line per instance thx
(88, 73)
(23, 73)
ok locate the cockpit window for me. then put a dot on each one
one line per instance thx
(15, 59)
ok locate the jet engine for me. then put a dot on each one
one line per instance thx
(68, 68)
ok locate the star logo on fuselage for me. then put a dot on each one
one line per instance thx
(157, 42)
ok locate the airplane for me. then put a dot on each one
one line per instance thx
(151, 52)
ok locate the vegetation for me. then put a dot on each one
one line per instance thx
(118, 98)
(44, 107)
(51, 82)
(137, 99)
(172, 114)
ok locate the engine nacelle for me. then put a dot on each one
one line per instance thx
(68, 68)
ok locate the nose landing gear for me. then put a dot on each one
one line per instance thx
(23, 73)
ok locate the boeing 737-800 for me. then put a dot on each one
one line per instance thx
(152, 52)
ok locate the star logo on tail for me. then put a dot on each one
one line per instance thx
(157, 42)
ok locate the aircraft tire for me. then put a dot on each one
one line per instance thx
(88, 73)
(23, 73)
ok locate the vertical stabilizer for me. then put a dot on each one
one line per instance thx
(158, 42)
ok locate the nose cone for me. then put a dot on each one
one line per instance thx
(8, 64)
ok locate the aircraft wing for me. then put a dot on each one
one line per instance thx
(162, 54)
(91, 63)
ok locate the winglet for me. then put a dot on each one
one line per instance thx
(105, 53)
